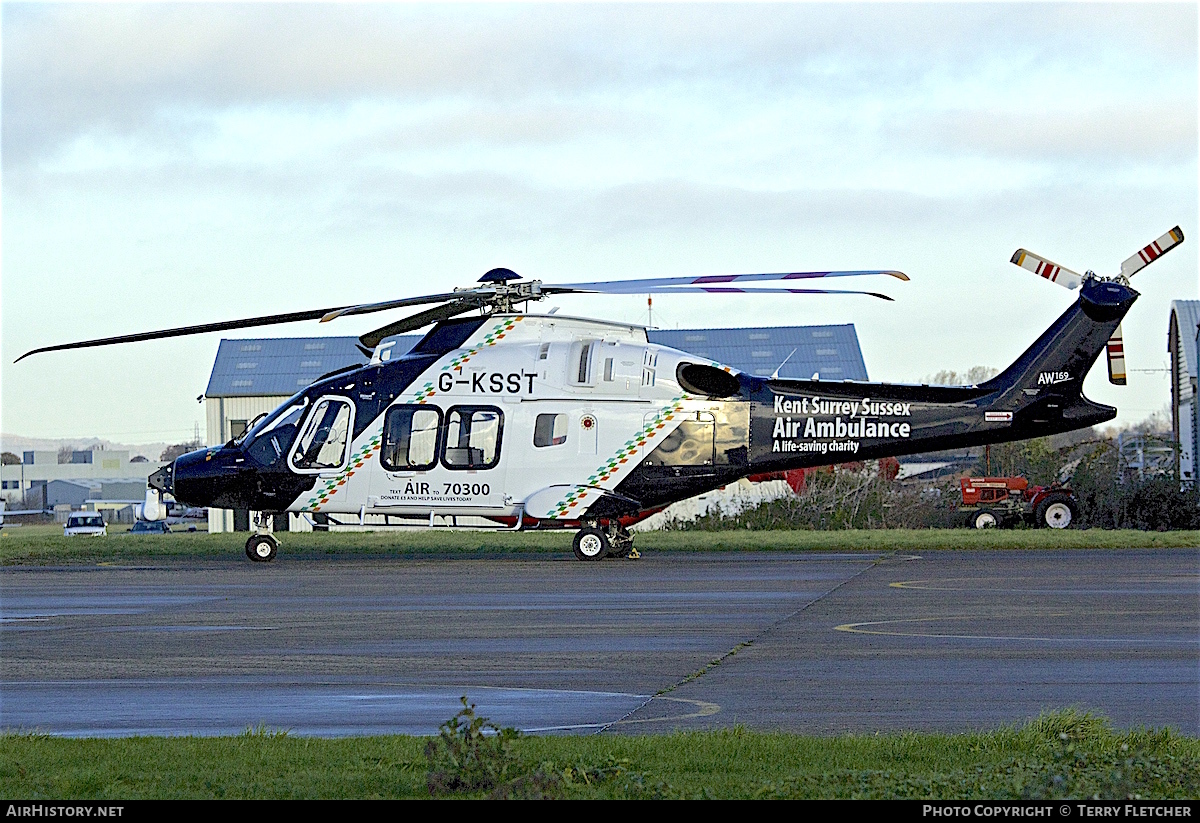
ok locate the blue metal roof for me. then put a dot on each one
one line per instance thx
(831, 351)
(275, 366)
(281, 366)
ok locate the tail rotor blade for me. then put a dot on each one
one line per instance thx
(1044, 268)
(1152, 252)
(1116, 358)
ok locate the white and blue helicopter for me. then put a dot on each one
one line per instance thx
(540, 421)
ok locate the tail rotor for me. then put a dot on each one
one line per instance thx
(1071, 280)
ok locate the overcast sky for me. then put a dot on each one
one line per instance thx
(173, 164)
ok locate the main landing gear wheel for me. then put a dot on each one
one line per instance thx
(262, 548)
(590, 543)
(985, 520)
(1057, 511)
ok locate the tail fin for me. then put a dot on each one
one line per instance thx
(1046, 382)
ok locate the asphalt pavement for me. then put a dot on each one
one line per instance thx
(817, 643)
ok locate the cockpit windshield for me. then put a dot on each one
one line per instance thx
(289, 412)
(241, 438)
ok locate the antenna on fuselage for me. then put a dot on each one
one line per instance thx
(775, 374)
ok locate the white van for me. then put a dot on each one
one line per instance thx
(90, 524)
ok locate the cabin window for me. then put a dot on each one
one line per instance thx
(472, 437)
(324, 443)
(410, 438)
(550, 430)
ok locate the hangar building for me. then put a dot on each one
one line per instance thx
(1185, 411)
(253, 376)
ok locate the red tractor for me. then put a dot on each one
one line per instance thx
(991, 502)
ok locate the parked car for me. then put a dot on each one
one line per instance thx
(89, 524)
(150, 527)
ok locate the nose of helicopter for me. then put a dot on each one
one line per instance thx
(206, 477)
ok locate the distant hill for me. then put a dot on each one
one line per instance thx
(17, 443)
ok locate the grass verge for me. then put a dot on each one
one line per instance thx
(46, 545)
(1059, 755)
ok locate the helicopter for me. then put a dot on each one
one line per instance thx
(543, 421)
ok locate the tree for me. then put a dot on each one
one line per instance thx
(9, 459)
(64, 453)
(973, 376)
(171, 452)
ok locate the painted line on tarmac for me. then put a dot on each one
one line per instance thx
(703, 709)
(958, 584)
(857, 628)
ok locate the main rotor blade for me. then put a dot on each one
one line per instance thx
(1152, 252)
(643, 286)
(1044, 268)
(250, 322)
(371, 339)
(368, 308)
(706, 290)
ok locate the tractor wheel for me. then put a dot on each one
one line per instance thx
(1057, 511)
(985, 519)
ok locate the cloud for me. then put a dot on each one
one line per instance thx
(77, 70)
(260, 156)
(1154, 131)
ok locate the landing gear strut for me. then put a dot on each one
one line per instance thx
(262, 547)
(620, 541)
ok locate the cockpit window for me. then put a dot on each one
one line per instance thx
(273, 440)
(263, 422)
(324, 442)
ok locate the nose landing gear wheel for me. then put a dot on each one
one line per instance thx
(590, 544)
(262, 548)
